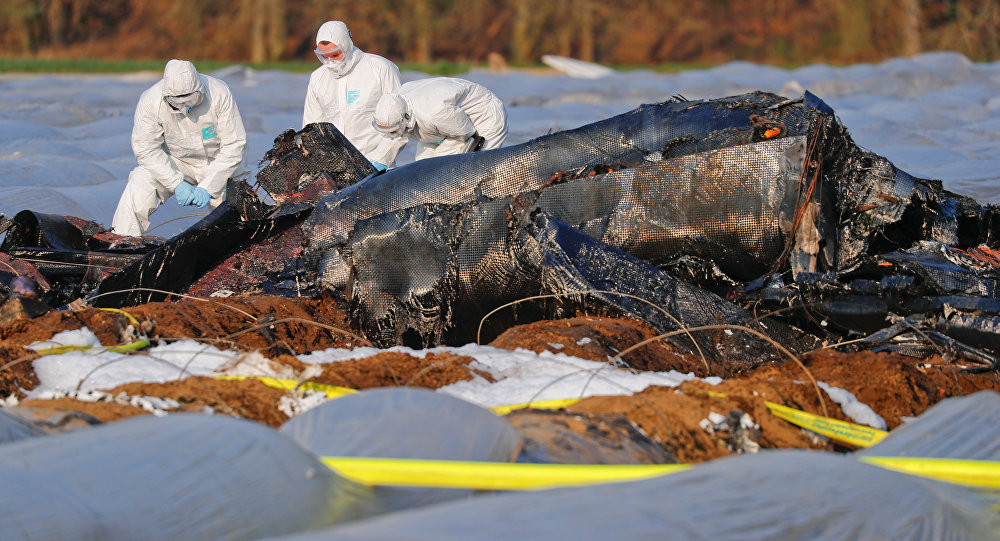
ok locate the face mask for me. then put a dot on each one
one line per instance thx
(185, 102)
(339, 67)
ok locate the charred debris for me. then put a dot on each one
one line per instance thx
(727, 217)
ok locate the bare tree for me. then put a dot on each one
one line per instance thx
(55, 15)
(523, 36)
(910, 27)
(585, 30)
(422, 21)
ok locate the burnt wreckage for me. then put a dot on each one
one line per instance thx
(753, 212)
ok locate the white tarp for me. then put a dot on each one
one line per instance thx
(184, 476)
(405, 422)
(14, 428)
(788, 495)
(777, 494)
(962, 427)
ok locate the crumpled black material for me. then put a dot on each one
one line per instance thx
(731, 190)
(714, 212)
(300, 167)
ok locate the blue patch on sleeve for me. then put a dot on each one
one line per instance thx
(353, 96)
(208, 133)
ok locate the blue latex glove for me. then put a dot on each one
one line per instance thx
(379, 165)
(184, 193)
(201, 197)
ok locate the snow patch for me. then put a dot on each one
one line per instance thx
(853, 408)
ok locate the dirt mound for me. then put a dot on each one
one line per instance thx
(602, 339)
(271, 325)
(895, 387)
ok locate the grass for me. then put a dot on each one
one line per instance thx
(97, 66)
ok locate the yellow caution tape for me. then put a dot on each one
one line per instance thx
(59, 350)
(132, 346)
(120, 348)
(519, 476)
(854, 434)
(977, 473)
(489, 475)
(537, 404)
(130, 317)
(699, 392)
(331, 391)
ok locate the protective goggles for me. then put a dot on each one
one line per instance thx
(330, 55)
(393, 131)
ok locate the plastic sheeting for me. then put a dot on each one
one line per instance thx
(775, 494)
(14, 428)
(405, 423)
(40, 506)
(963, 427)
(204, 477)
(402, 422)
(788, 495)
(180, 477)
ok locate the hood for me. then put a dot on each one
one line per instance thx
(337, 32)
(391, 109)
(180, 77)
(411, 122)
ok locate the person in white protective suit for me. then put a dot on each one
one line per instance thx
(188, 139)
(345, 89)
(445, 115)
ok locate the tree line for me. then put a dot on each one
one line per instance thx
(623, 32)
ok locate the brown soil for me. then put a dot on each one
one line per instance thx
(601, 339)
(892, 385)
(392, 369)
(659, 423)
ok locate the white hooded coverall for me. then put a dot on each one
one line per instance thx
(204, 147)
(446, 111)
(345, 95)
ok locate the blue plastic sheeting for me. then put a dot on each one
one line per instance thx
(13, 428)
(401, 422)
(779, 494)
(787, 495)
(40, 506)
(184, 476)
(963, 427)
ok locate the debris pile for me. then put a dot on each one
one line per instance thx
(754, 211)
